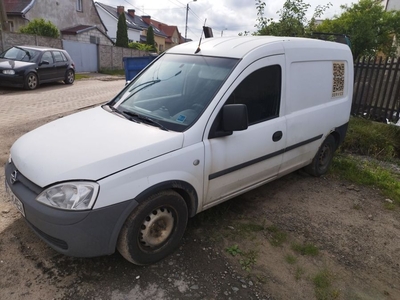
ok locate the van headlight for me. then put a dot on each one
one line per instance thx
(78, 195)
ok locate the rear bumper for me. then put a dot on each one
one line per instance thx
(73, 233)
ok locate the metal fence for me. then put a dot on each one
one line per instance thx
(377, 88)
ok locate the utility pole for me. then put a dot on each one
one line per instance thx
(187, 14)
(3, 16)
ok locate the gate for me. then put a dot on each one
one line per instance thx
(84, 55)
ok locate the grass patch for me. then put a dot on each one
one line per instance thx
(81, 76)
(368, 173)
(373, 139)
(299, 273)
(290, 259)
(276, 236)
(112, 72)
(305, 249)
(323, 286)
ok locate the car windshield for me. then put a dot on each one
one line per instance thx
(20, 53)
(175, 90)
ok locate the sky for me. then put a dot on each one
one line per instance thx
(225, 17)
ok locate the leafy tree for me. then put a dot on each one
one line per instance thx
(122, 32)
(292, 19)
(150, 38)
(41, 27)
(370, 27)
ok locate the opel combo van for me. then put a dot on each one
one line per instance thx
(197, 127)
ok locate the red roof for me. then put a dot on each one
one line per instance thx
(16, 6)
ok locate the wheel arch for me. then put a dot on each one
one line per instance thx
(186, 190)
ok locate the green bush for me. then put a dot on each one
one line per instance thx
(41, 27)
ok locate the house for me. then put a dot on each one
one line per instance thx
(109, 16)
(63, 14)
(172, 32)
(165, 36)
(86, 34)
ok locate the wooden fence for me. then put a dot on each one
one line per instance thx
(377, 88)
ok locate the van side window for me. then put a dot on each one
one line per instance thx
(261, 92)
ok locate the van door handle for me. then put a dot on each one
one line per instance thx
(277, 136)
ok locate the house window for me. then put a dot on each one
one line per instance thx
(79, 6)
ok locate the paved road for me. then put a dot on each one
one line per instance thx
(21, 106)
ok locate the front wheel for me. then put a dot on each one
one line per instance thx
(31, 81)
(154, 229)
(322, 160)
(69, 77)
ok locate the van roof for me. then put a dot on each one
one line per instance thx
(238, 47)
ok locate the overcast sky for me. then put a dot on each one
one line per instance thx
(227, 17)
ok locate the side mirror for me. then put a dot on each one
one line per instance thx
(44, 62)
(234, 117)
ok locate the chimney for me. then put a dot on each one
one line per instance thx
(120, 10)
(131, 12)
(146, 19)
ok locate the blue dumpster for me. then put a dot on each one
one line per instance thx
(133, 65)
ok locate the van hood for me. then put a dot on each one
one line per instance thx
(88, 146)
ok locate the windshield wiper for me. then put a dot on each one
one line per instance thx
(114, 110)
(145, 84)
(144, 119)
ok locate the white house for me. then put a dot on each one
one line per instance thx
(110, 16)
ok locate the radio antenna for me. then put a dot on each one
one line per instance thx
(201, 36)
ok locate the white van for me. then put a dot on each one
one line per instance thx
(190, 131)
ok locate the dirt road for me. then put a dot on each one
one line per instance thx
(296, 238)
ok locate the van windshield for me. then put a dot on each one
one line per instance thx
(175, 90)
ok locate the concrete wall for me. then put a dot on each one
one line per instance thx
(111, 57)
(9, 39)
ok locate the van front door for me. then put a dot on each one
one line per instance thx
(248, 158)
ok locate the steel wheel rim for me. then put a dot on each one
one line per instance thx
(32, 81)
(324, 156)
(156, 228)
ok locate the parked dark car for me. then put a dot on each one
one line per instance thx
(29, 66)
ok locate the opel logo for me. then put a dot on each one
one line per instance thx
(13, 178)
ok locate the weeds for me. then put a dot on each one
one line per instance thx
(233, 250)
(299, 273)
(112, 72)
(367, 173)
(290, 259)
(277, 237)
(81, 76)
(305, 249)
(322, 283)
(247, 259)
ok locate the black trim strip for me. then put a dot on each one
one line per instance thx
(265, 157)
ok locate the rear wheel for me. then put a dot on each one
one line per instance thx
(31, 81)
(322, 160)
(154, 229)
(69, 77)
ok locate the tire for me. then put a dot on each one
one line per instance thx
(31, 81)
(322, 160)
(154, 229)
(69, 77)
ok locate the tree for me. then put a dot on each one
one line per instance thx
(292, 19)
(122, 32)
(150, 38)
(371, 29)
(41, 27)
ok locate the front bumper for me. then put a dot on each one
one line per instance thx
(73, 233)
(11, 80)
